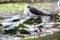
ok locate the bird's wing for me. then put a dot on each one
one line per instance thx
(37, 12)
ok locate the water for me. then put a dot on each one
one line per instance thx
(2, 37)
(8, 21)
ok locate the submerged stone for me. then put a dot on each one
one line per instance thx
(1, 25)
(19, 36)
(7, 26)
(1, 18)
(10, 31)
(15, 20)
(22, 31)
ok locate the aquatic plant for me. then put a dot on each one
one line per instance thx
(31, 21)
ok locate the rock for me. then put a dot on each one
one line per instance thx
(31, 21)
(1, 25)
(15, 20)
(22, 31)
(10, 31)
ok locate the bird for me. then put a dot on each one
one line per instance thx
(33, 12)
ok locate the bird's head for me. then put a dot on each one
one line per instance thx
(26, 9)
(27, 6)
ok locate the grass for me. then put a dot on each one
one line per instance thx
(55, 36)
(11, 7)
(18, 7)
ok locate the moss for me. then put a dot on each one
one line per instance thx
(31, 21)
(22, 26)
(22, 31)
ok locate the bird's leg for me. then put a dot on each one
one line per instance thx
(34, 28)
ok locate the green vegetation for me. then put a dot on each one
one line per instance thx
(22, 26)
(18, 7)
(38, 20)
(22, 31)
(12, 7)
(31, 21)
(11, 31)
(54, 17)
(14, 30)
(55, 36)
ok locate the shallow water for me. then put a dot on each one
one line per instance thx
(8, 21)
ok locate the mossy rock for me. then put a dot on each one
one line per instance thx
(1, 25)
(7, 26)
(22, 26)
(31, 21)
(19, 36)
(22, 31)
(1, 18)
(14, 30)
(15, 20)
(10, 31)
